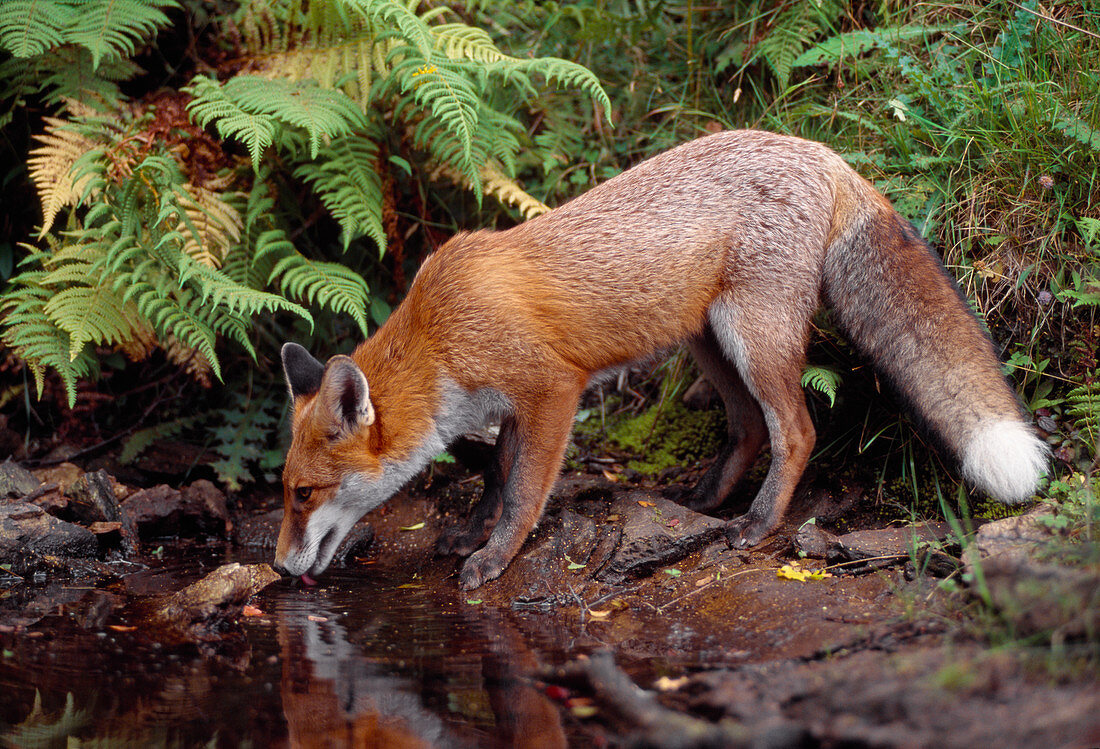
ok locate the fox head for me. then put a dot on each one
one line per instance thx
(331, 476)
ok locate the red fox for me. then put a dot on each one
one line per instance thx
(729, 244)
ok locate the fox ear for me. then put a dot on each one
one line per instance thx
(345, 394)
(303, 372)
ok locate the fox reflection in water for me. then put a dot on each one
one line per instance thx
(336, 695)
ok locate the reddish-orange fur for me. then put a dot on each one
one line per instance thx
(729, 244)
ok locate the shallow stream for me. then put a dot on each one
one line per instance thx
(364, 659)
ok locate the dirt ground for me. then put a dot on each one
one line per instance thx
(732, 648)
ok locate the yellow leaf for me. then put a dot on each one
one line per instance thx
(791, 572)
(415, 527)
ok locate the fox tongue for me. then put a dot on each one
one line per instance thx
(307, 580)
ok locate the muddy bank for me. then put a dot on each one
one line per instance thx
(813, 638)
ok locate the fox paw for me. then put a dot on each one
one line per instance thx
(461, 541)
(745, 531)
(481, 567)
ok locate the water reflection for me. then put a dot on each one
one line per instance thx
(408, 671)
(359, 663)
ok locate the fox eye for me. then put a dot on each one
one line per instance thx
(303, 493)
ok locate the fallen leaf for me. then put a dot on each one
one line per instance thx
(703, 581)
(473, 601)
(674, 522)
(121, 627)
(573, 565)
(611, 518)
(794, 572)
(410, 585)
(250, 610)
(595, 614)
(673, 572)
(644, 503)
(609, 475)
(665, 684)
(414, 527)
(315, 618)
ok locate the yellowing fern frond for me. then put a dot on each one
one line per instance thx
(51, 167)
(212, 226)
(502, 187)
(193, 361)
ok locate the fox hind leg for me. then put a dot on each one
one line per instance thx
(745, 427)
(770, 363)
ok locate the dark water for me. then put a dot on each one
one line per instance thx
(356, 661)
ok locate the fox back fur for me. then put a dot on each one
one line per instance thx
(729, 244)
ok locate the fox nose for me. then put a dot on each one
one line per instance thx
(279, 568)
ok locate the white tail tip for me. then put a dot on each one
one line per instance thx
(1005, 459)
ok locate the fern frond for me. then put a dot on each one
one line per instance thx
(211, 225)
(328, 284)
(35, 339)
(212, 104)
(1084, 410)
(88, 315)
(345, 176)
(825, 380)
(453, 102)
(114, 28)
(30, 27)
(500, 186)
(393, 14)
(794, 29)
(51, 165)
(143, 439)
(220, 291)
(249, 105)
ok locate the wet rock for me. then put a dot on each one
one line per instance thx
(93, 498)
(199, 612)
(560, 557)
(1018, 537)
(27, 526)
(16, 481)
(210, 502)
(814, 542)
(37, 567)
(886, 547)
(655, 533)
(356, 544)
(260, 531)
(164, 511)
(53, 501)
(62, 474)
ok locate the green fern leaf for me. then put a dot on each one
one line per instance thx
(30, 27)
(397, 15)
(219, 290)
(212, 104)
(453, 102)
(88, 315)
(143, 439)
(329, 284)
(825, 380)
(114, 28)
(346, 178)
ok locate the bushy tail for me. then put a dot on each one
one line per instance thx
(900, 308)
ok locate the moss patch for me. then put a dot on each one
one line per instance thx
(669, 434)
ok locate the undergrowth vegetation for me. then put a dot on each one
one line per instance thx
(211, 182)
